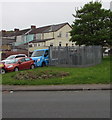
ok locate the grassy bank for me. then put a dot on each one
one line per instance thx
(91, 75)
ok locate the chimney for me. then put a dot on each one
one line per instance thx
(16, 30)
(33, 27)
(3, 31)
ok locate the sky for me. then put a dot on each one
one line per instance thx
(23, 13)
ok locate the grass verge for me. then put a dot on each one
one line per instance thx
(91, 75)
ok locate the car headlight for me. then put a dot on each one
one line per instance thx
(38, 60)
(10, 66)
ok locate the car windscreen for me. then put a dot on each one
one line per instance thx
(37, 53)
(11, 61)
(10, 57)
(20, 56)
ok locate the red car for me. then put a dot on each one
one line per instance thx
(16, 64)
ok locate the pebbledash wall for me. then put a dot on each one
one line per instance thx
(75, 56)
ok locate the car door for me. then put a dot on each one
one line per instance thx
(46, 56)
(28, 63)
(23, 64)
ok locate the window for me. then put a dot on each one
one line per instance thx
(51, 44)
(38, 44)
(30, 45)
(50, 29)
(67, 35)
(46, 52)
(59, 43)
(37, 53)
(34, 36)
(10, 57)
(20, 56)
(35, 44)
(38, 36)
(27, 59)
(11, 61)
(22, 60)
(60, 34)
(66, 44)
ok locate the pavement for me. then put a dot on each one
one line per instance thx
(55, 87)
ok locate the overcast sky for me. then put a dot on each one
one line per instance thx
(24, 14)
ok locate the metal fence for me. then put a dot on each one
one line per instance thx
(75, 56)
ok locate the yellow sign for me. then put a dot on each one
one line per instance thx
(1, 65)
(5, 47)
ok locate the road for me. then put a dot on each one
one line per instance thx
(56, 104)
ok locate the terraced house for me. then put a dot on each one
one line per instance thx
(53, 35)
(40, 37)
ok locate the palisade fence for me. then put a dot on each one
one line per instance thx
(75, 56)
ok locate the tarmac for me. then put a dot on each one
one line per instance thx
(76, 87)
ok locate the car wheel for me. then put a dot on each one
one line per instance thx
(32, 66)
(43, 64)
(2, 71)
(16, 69)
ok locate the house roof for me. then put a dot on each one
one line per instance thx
(49, 28)
(44, 29)
(21, 32)
(14, 33)
(6, 33)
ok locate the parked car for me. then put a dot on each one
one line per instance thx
(15, 56)
(6, 54)
(106, 52)
(16, 64)
(40, 57)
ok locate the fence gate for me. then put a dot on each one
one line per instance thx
(75, 56)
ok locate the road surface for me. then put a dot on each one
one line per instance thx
(56, 104)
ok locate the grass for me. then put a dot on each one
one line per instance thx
(90, 75)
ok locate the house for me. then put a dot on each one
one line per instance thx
(52, 35)
(6, 40)
(13, 40)
(36, 38)
(7, 47)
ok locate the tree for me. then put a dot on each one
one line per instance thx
(92, 25)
